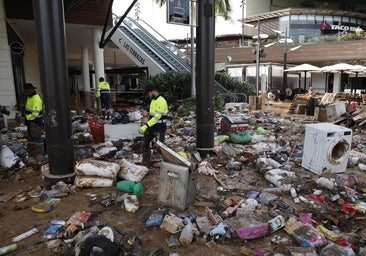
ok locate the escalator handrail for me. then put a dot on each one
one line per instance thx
(143, 41)
(180, 54)
(153, 60)
(185, 65)
(162, 46)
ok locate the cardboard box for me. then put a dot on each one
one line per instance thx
(234, 123)
(330, 113)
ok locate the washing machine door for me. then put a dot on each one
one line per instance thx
(338, 151)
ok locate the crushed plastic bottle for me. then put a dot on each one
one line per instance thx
(277, 223)
(24, 235)
(156, 218)
(131, 203)
(7, 249)
(186, 236)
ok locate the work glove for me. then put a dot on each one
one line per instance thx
(143, 129)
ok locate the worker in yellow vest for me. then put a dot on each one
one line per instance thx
(34, 120)
(104, 92)
(156, 123)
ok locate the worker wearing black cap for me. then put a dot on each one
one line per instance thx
(156, 123)
(33, 114)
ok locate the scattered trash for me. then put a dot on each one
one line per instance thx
(130, 187)
(131, 203)
(93, 182)
(9, 159)
(25, 235)
(91, 167)
(47, 205)
(156, 218)
(8, 248)
(131, 171)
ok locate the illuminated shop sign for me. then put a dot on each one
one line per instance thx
(343, 28)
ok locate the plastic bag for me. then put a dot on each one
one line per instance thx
(241, 137)
(130, 187)
(9, 158)
(131, 171)
(135, 116)
(97, 168)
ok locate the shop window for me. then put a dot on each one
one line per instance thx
(311, 18)
(319, 19)
(345, 20)
(302, 19)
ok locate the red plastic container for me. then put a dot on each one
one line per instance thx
(97, 131)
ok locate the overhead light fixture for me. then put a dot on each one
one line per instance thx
(261, 36)
(270, 44)
(250, 25)
(286, 40)
(278, 31)
(295, 48)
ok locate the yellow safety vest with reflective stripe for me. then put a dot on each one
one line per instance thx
(33, 107)
(158, 109)
(102, 86)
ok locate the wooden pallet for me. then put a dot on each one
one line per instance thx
(299, 99)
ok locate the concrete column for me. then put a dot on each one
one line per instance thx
(98, 60)
(337, 82)
(7, 88)
(86, 78)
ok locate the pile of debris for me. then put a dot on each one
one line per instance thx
(263, 191)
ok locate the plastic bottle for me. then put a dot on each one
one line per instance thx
(131, 203)
(276, 223)
(293, 192)
(186, 236)
(156, 218)
(7, 249)
(325, 182)
(24, 235)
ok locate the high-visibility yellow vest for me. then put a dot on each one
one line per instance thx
(158, 110)
(33, 107)
(102, 87)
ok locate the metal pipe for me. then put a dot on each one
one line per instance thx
(193, 57)
(257, 59)
(284, 84)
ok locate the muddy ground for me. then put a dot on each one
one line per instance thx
(131, 233)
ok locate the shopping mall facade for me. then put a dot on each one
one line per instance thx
(319, 37)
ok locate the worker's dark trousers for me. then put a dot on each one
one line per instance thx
(105, 99)
(158, 129)
(35, 141)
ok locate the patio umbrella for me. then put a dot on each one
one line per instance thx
(339, 67)
(357, 69)
(303, 68)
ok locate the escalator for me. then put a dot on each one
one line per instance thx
(147, 48)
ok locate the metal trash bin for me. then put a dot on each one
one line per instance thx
(178, 181)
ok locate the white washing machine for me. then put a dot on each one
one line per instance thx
(326, 148)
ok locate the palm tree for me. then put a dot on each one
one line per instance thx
(222, 7)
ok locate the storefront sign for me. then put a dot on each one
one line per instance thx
(178, 12)
(343, 28)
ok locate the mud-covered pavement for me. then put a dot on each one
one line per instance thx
(229, 185)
